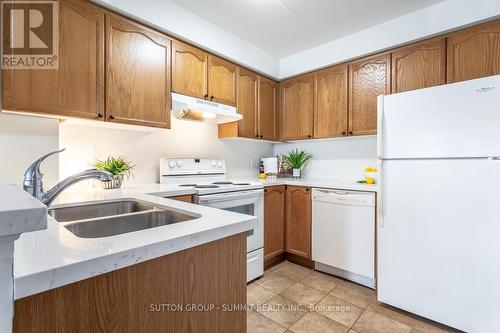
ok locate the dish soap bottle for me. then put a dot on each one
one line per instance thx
(262, 175)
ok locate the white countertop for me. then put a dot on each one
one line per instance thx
(321, 183)
(19, 211)
(55, 257)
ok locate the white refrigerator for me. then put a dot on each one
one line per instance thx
(438, 214)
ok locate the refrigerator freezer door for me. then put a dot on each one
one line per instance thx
(439, 241)
(455, 120)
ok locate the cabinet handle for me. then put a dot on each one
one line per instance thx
(100, 115)
(344, 133)
(265, 190)
(212, 98)
(350, 132)
(111, 117)
(260, 136)
(307, 189)
(206, 96)
(309, 136)
(256, 135)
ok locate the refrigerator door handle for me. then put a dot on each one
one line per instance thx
(380, 196)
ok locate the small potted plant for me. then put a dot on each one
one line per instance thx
(295, 160)
(118, 167)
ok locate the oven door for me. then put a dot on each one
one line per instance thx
(244, 202)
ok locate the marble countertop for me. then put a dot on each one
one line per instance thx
(321, 183)
(19, 211)
(55, 257)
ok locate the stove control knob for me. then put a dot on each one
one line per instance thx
(171, 164)
(214, 163)
(219, 164)
(179, 163)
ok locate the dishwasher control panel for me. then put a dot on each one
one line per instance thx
(342, 197)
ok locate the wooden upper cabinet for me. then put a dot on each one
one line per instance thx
(474, 52)
(222, 80)
(331, 102)
(298, 221)
(274, 221)
(137, 74)
(247, 103)
(297, 104)
(419, 65)
(267, 109)
(189, 70)
(74, 89)
(368, 78)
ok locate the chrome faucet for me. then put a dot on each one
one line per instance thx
(33, 183)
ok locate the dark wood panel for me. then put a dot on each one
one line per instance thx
(137, 74)
(368, 78)
(297, 105)
(298, 221)
(474, 52)
(419, 65)
(274, 221)
(120, 301)
(331, 102)
(76, 88)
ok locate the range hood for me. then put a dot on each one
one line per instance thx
(191, 108)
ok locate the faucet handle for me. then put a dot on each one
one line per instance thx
(33, 172)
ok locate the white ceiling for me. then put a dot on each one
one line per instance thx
(285, 27)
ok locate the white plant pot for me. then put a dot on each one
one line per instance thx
(296, 173)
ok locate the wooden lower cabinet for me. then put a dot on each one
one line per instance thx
(274, 222)
(298, 221)
(130, 299)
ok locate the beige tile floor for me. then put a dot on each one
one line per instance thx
(292, 298)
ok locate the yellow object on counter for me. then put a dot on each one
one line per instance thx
(262, 176)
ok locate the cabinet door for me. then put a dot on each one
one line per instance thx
(222, 80)
(474, 52)
(137, 74)
(297, 107)
(420, 65)
(189, 70)
(267, 110)
(274, 221)
(330, 102)
(369, 78)
(74, 89)
(298, 221)
(247, 103)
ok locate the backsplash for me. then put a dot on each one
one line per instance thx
(340, 158)
(144, 147)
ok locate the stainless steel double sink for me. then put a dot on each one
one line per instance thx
(116, 217)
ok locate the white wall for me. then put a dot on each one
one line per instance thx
(340, 158)
(23, 139)
(186, 139)
(188, 26)
(421, 24)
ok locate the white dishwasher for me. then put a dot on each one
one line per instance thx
(343, 234)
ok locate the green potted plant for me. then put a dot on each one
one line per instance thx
(118, 167)
(295, 160)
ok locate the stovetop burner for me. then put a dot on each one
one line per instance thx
(188, 185)
(206, 186)
(222, 183)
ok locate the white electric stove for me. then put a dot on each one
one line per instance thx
(207, 177)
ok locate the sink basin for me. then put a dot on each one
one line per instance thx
(121, 224)
(90, 211)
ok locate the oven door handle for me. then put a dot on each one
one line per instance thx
(230, 196)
